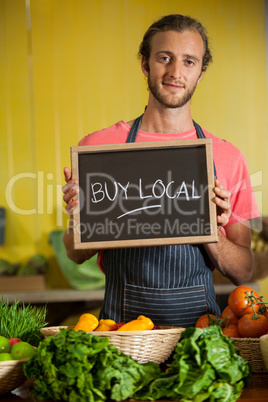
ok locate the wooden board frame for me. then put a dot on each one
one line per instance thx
(82, 156)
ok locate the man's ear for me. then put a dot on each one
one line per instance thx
(144, 66)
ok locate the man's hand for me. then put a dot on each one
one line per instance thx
(231, 255)
(70, 191)
(222, 200)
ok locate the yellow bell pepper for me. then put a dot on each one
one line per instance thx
(106, 325)
(87, 322)
(142, 323)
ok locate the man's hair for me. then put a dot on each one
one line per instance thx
(179, 23)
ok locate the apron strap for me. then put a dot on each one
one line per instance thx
(136, 125)
(134, 129)
(199, 130)
(201, 134)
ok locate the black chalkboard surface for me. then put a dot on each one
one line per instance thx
(141, 194)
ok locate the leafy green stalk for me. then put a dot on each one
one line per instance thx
(22, 321)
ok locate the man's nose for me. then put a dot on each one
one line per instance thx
(175, 69)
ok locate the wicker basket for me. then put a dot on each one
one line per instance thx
(143, 346)
(250, 349)
(11, 375)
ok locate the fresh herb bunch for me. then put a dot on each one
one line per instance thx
(75, 366)
(23, 322)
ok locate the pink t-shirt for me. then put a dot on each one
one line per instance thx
(230, 163)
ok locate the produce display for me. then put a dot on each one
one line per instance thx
(88, 323)
(22, 322)
(20, 327)
(15, 349)
(74, 366)
(246, 315)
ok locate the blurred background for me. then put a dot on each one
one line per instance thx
(70, 67)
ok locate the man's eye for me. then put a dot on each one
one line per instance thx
(189, 62)
(164, 58)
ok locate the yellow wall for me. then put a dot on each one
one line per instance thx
(69, 67)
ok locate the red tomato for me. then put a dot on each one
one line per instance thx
(239, 303)
(204, 321)
(250, 327)
(231, 331)
(228, 313)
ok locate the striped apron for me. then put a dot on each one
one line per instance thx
(172, 285)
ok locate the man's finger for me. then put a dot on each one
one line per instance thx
(67, 174)
(69, 195)
(71, 206)
(70, 185)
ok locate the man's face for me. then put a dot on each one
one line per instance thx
(175, 67)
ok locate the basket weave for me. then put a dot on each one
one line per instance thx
(143, 346)
(11, 375)
(250, 349)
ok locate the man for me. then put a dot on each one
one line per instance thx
(173, 284)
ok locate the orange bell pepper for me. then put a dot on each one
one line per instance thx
(106, 325)
(142, 323)
(87, 322)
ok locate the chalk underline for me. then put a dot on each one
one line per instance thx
(138, 209)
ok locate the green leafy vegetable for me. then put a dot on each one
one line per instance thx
(23, 322)
(205, 367)
(76, 366)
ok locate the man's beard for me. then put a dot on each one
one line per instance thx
(167, 100)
